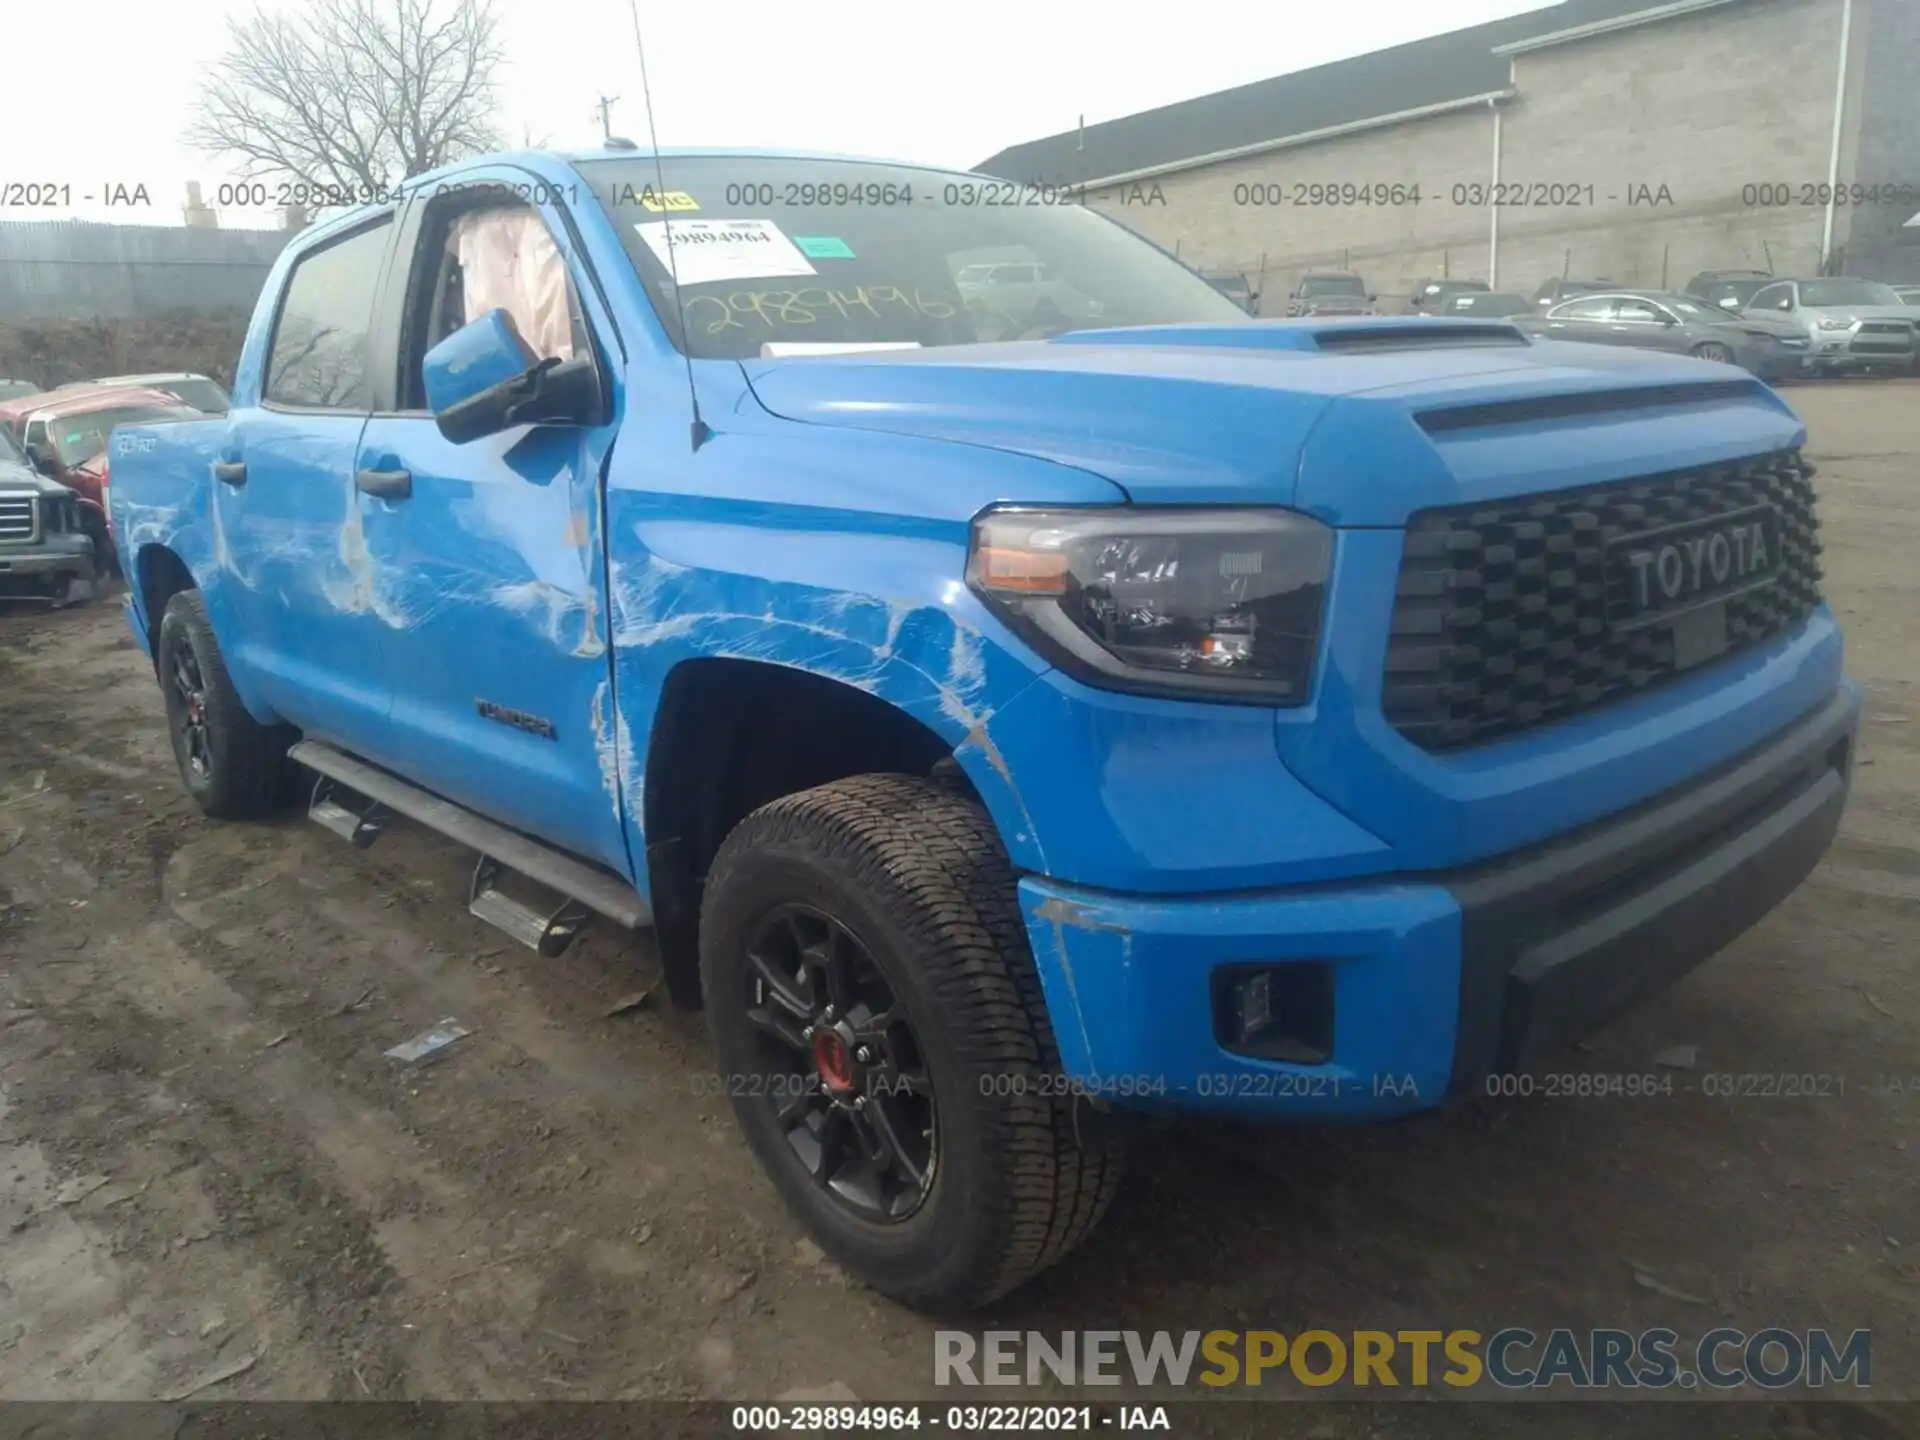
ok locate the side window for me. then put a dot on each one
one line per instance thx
(318, 359)
(1584, 310)
(475, 260)
(1774, 297)
(1638, 312)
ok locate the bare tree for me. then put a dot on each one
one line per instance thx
(358, 94)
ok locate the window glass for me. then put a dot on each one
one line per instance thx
(1584, 310)
(1773, 297)
(1847, 292)
(783, 251)
(1637, 312)
(319, 354)
(508, 261)
(82, 437)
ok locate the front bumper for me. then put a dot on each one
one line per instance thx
(1439, 980)
(48, 567)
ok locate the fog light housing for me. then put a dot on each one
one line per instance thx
(1281, 1011)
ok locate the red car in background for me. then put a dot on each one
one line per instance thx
(65, 434)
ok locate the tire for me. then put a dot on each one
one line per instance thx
(1713, 350)
(237, 768)
(916, 876)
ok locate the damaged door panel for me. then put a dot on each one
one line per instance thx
(491, 561)
(310, 617)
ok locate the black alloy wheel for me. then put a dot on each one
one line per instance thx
(191, 740)
(856, 1106)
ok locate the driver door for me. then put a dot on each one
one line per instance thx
(502, 676)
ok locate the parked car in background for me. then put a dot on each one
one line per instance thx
(1681, 324)
(1436, 296)
(1851, 325)
(1487, 304)
(1710, 285)
(70, 446)
(14, 389)
(1552, 292)
(1331, 293)
(201, 392)
(1734, 295)
(45, 551)
(18, 415)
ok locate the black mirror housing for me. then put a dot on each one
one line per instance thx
(553, 392)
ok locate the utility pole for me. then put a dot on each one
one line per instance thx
(606, 124)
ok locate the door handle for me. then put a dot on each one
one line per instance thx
(386, 484)
(230, 472)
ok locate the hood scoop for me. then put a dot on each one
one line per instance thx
(1533, 409)
(1362, 334)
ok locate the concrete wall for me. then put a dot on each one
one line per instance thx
(1888, 100)
(71, 269)
(1700, 104)
(1220, 218)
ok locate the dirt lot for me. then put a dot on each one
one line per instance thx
(206, 1161)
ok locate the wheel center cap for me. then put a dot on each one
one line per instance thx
(833, 1060)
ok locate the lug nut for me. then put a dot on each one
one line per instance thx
(807, 1034)
(859, 1102)
(863, 1054)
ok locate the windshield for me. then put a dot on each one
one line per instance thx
(9, 450)
(79, 438)
(1846, 292)
(790, 252)
(202, 395)
(1315, 286)
(1740, 290)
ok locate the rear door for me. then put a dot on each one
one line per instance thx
(502, 675)
(289, 525)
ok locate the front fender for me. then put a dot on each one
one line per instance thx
(886, 614)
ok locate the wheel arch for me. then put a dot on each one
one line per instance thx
(731, 735)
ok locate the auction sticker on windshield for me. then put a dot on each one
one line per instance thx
(703, 251)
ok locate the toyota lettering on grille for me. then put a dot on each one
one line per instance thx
(1658, 573)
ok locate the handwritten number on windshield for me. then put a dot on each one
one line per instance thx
(713, 314)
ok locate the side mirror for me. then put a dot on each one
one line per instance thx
(1373, 299)
(41, 456)
(484, 378)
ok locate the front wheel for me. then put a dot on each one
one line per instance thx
(882, 1036)
(1715, 351)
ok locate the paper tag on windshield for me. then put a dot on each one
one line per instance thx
(704, 251)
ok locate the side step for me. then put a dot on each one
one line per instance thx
(342, 778)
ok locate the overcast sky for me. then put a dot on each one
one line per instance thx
(109, 93)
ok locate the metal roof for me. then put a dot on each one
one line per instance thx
(1421, 77)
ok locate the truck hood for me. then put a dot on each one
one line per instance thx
(16, 478)
(1226, 414)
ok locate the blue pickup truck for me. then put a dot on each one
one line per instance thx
(1010, 730)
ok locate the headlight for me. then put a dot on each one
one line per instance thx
(1834, 322)
(1197, 604)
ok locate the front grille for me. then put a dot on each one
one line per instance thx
(1504, 619)
(1885, 327)
(16, 517)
